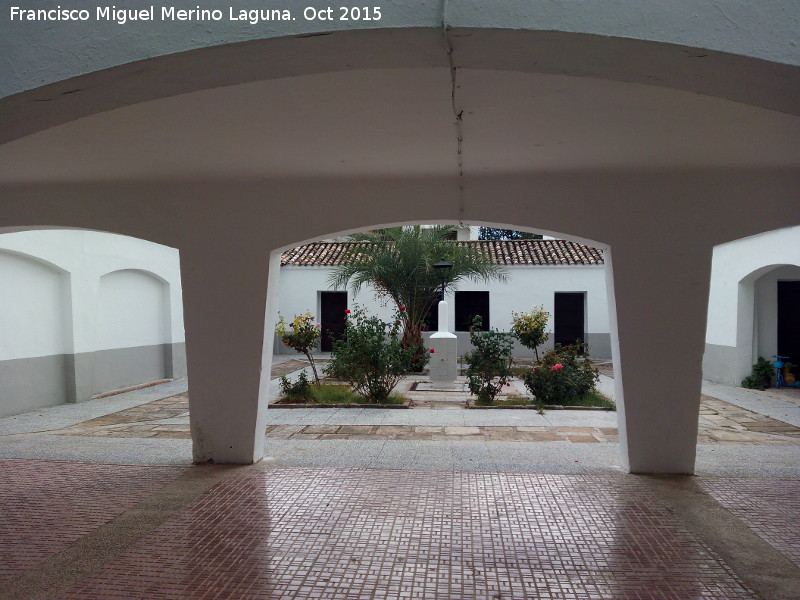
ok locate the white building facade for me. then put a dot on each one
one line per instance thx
(567, 279)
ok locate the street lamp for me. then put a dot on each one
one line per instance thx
(442, 269)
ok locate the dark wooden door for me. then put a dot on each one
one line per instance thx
(789, 320)
(568, 318)
(332, 317)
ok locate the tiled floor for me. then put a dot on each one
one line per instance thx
(301, 533)
(770, 507)
(45, 506)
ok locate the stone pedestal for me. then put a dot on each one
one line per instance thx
(444, 345)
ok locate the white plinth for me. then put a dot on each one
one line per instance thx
(443, 363)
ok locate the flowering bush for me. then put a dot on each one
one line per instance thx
(529, 328)
(561, 376)
(370, 356)
(302, 335)
(489, 364)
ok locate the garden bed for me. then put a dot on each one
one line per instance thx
(289, 404)
(534, 407)
(591, 401)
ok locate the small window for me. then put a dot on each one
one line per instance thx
(470, 304)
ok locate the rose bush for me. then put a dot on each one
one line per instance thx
(562, 376)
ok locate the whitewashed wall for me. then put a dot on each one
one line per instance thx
(742, 316)
(525, 288)
(83, 312)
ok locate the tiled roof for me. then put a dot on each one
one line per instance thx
(511, 252)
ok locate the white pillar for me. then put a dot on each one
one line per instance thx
(660, 290)
(443, 364)
(224, 297)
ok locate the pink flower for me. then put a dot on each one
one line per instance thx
(557, 367)
(432, 350)
(347, 311)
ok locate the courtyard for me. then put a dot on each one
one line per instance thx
(430, 502)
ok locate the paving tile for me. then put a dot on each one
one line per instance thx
(465, 431)
(45, 506)
(354, 533)
(771, 508)
(320, 429)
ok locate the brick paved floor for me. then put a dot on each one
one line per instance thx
(304, 533)
(45, 506)
(771, 508)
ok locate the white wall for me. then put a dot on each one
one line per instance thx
(83, 312)
(742, 301)
(31, 308)
(526, 288)
(131, 310)
(86, 256)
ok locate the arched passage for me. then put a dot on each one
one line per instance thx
(84, 313)
(743, 305)
(231, 174)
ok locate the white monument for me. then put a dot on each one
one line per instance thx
(444, 351)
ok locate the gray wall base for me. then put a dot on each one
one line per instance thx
(30, 383)
(27, 384)
(719, 365)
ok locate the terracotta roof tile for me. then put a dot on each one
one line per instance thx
(510, 252)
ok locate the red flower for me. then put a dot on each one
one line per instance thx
(432, 350)
(347, 311)
(557, 367)
(403, 308)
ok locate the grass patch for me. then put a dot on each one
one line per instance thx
(328, 393)
(593, 398)
(512, 400)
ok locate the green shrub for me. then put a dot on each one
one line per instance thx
(489, 364)
(561, 377)
(296, 391)
(529, 328)
(370, 356)
(761, 377)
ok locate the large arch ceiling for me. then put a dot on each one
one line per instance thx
(563, 119)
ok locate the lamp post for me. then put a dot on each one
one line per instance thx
(442, 268)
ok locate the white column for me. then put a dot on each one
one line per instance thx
(660, 290)
(224, 298)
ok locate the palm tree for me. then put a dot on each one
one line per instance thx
(399, 261)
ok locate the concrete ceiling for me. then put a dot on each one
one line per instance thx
(378, 122)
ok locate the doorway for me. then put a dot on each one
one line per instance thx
(332, 317)
(789, 320)
(568, 317)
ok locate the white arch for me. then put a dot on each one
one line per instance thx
(341, 145)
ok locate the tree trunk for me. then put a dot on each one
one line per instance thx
(412, 338)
